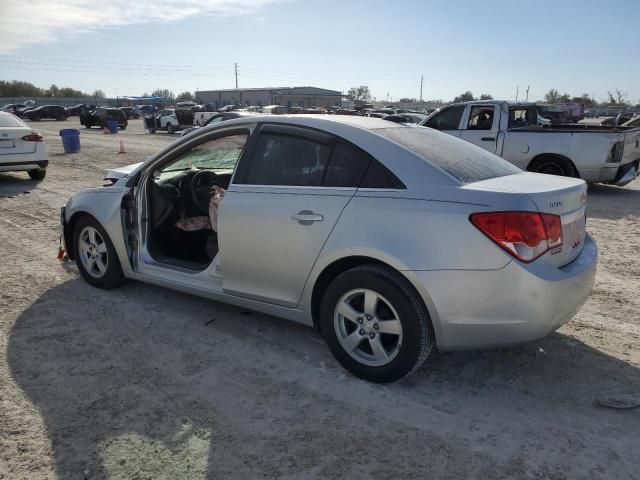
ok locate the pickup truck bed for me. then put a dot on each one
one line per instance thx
(594, 153)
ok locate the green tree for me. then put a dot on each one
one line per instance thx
(585, 100)
(486, 96)
(98, 94)
(16, 88)
(184, 96)
(464, 97)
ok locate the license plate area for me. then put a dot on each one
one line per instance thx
(7, 143)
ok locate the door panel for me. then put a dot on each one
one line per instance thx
(266, 253)
(482, 126)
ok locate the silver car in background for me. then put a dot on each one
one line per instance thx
(390, 240)
(22, 148)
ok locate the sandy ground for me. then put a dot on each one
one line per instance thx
(145, 383)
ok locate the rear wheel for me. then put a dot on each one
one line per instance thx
(375, 324)
(552, 165)
(124, 127)
(95, 255)
(38, 173)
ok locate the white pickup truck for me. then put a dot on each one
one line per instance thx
(591, 152)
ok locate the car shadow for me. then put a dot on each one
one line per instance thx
(17, 183)
(144, 382)
(611, 202)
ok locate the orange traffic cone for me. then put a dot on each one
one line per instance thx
(122, 150)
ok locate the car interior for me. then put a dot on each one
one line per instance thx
(183, 227)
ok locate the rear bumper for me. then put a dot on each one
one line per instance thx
(24, 165)
(515, 304)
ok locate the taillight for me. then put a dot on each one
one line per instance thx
(525, 235)
(32, 137)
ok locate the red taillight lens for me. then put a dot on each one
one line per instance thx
(32, 137)
(525, 235)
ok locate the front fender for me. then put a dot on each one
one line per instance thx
(105, 205)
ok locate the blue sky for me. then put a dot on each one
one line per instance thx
(127, 47)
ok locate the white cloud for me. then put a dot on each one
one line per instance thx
(44, 21)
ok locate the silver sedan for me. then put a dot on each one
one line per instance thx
(390, 240)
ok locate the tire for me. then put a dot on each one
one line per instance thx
(95, 255)
(152, 130)
(36, 118)
(170, 129)
(37, 174)
(553, 165)
(406, 342)
(123, 128)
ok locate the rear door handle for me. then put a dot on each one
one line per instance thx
(307, 217)
(488, 139)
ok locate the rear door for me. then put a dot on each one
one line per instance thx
(447, 120)
(278, 213)
(481, 126)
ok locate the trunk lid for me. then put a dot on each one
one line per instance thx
(566, 197)
(11, 141)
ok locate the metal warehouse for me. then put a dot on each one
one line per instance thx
(305, 97)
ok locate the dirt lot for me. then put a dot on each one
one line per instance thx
(140, 383)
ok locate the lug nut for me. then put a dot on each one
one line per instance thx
(372, 336)
(368, 317)
(376, 326)
(361, 332)
(360, 320)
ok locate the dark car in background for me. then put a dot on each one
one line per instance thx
(101, 115)
(76, 110)
(55, 112)
(130, 112)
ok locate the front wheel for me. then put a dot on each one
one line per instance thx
(375, 324)
(95, 255)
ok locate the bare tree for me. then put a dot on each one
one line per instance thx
(361, 93)
(618, 97)
(486, 96)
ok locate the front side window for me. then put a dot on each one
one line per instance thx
(218, 154)
(287, 160)
(447, 119)
(481, 118)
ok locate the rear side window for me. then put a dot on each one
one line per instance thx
(447, 119)
(379, 176)
(346, 167)
(287, 160)
(462, 160)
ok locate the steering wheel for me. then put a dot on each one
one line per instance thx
(201, 184)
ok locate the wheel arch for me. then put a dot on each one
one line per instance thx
(554, 156)
(341, 265)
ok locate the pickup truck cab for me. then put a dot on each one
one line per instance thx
(591, 152)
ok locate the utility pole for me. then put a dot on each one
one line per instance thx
(387, 97)
(527, 93)
(421, 82)
(236, 69)
(517, 91)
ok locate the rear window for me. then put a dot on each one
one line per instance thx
(464, 161)
(10, 121)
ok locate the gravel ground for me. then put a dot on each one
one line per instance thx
(146, 383)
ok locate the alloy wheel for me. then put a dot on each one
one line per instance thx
(368, 328)
(93, 251)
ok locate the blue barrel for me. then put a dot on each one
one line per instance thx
(112, 125)
(70, 140)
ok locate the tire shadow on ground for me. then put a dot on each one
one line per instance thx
(16, 183)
